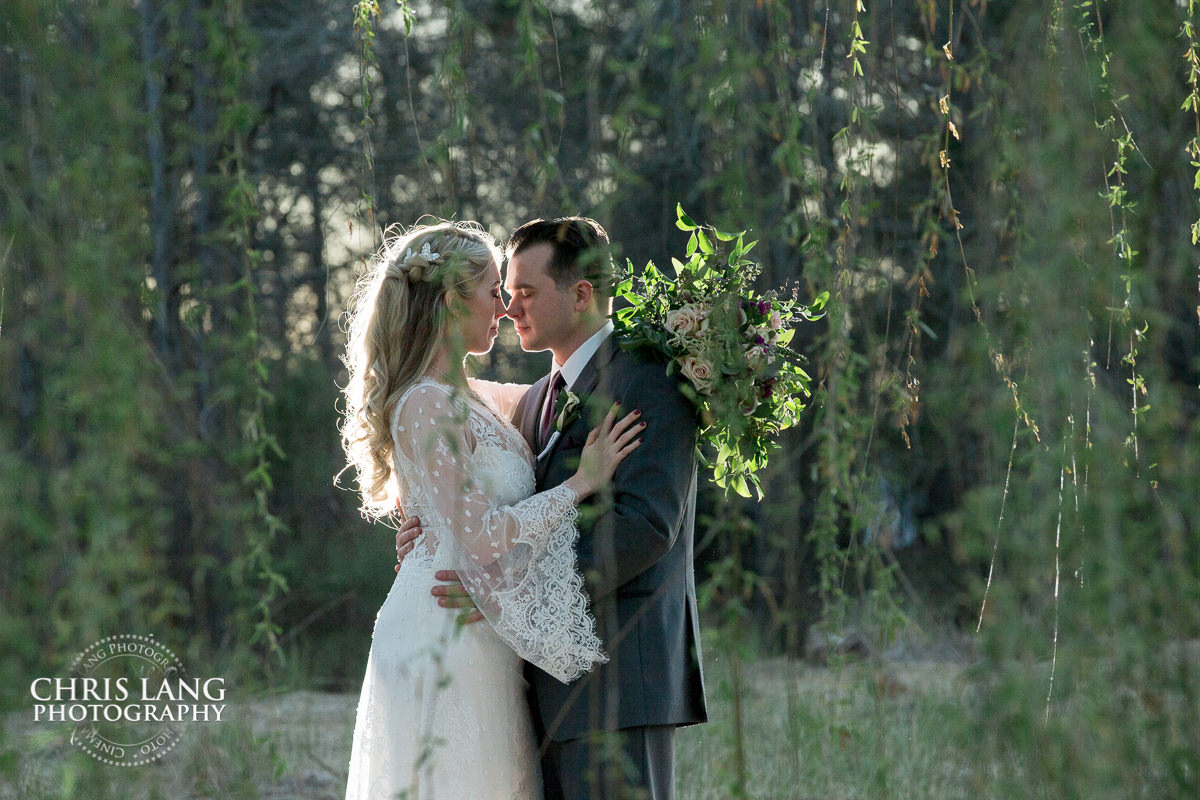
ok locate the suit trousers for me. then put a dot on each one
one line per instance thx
(629, 764)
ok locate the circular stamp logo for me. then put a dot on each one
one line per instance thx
(127, 698)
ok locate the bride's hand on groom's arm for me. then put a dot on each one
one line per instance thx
(451, 594)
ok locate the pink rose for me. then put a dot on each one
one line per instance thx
(699, 372)
(683, 321)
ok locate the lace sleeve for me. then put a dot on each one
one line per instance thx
(517, 561)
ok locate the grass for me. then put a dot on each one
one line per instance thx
(902, 726)
(857, 731)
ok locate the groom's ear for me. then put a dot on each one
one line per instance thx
(582, 293)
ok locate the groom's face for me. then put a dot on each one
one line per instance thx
(542, 313)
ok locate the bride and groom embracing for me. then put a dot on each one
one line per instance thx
(563, 512)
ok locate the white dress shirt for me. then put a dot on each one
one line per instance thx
(582, 355)
(571, 371)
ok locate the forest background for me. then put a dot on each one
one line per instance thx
(1003, 445)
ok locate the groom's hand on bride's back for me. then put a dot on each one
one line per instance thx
(451, 594)
(406, 536)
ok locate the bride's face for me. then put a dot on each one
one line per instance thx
(483, 310)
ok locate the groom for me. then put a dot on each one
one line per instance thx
(614, 728)
(611, 733)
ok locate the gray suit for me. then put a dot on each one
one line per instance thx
(635, 549)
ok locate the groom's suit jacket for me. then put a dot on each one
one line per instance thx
(635, 551)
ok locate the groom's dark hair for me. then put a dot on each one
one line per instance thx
(581, 250)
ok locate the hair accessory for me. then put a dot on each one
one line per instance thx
(413, 265)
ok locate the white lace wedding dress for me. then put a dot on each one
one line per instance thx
(442, 712)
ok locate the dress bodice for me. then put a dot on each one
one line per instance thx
(501, 465)
(469, 475)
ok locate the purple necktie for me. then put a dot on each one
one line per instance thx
(547, 421)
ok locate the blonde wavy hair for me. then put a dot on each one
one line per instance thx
(397, 320)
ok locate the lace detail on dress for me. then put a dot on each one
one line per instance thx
(468, 474)
(548, 612)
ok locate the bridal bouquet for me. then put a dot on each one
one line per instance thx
(729, 341)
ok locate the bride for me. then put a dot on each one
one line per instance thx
(442, 711)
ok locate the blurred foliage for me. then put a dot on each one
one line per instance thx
(998, 196)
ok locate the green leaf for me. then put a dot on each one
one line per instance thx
(705, 245)
(754, 479)
(684, 222)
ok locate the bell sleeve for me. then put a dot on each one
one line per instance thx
(516, 561)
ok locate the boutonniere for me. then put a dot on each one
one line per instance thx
(570, 404)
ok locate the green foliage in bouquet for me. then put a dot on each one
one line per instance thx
(729, 341)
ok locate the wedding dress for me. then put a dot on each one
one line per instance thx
(442, 713)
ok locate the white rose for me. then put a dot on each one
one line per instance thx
(698, 371)
(683, 321)
(776, 321)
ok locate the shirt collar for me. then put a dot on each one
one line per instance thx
(582, 355)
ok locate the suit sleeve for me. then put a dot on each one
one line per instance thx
(650, 490)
